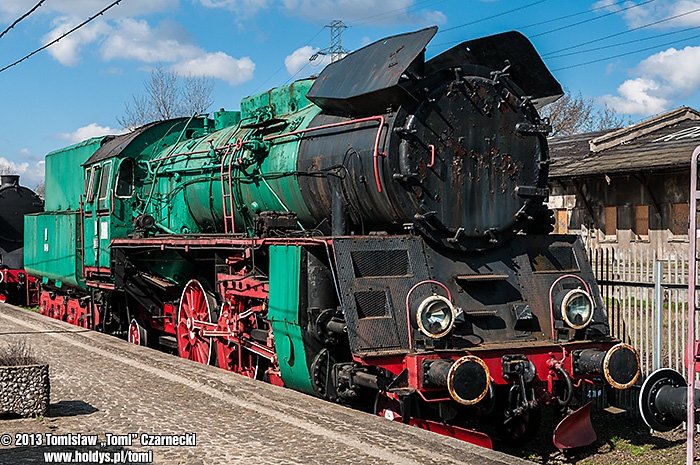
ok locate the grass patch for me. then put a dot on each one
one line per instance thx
(17, 352)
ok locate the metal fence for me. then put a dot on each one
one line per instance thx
(647, 302)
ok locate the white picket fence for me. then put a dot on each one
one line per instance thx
(647, 303)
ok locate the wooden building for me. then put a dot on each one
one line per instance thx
(627, 188)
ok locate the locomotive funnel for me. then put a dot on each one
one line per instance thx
(663, 400)
(9, 180)
(619, 365)
(467, 379)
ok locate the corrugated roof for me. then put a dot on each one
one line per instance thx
(113, 145)
(632, 149)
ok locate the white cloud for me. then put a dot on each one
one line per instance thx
(637, 97)
(355, 11)
(12, 9)
(662, 79)
(27, 154)
(656, 11)
(434, 17)
(86, 132)
(30, 174)
(245, 7)
(112, 70)
(218, 65)
(364, 11)
(136, 40)
(300, 58)
(67, 50)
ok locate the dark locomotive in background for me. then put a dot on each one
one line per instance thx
(15, 202)
(375, 236)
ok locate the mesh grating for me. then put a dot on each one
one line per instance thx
(371, 304)
(369, 289)
(374, 263)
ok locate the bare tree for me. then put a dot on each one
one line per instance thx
(607, 118)
(576, 114)
(568, 115)
(40, 189)
(196, 94)
(167, 95)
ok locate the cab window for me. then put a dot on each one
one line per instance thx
(125, 178)
(104, 180)
(93, 183)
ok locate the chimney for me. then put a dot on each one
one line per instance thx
(9, 180)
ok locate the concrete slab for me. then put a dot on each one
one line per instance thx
(101, 385)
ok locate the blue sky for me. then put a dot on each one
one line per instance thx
(77, 88)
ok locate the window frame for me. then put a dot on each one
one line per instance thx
(92, 189)
(132, 187)
(102, 177)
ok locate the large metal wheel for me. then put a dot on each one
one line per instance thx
(195, 314)
(137, 333)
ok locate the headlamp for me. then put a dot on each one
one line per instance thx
(575, 307)
(435, 316)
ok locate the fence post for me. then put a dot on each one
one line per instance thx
(658, 339)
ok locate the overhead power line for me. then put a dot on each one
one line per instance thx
(629, 42)
(22, 17)
(115, 3)
(591, 19)
(283, 65)
(395, 12)
(498, 15)
(622, 33)
(638, 50)
(559, 18)
(572, 15)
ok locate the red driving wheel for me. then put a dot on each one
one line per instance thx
(195, 315)
(137, 333)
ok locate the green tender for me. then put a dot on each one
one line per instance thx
(64, 180)
(283, 313)
(52, 255)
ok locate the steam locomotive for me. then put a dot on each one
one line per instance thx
(373, 236)
(15, 202)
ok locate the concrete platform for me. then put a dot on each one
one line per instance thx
(102, 385)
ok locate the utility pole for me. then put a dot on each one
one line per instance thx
(336, 50)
